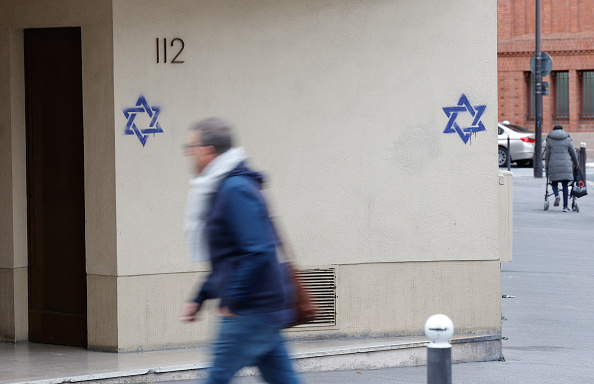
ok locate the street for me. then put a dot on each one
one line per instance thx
(546, 324)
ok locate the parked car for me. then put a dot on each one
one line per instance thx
(521, 142)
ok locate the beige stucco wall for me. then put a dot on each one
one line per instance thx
(94, 18)
(338, 102)
(13, 304)
(395, 299)
(506, 216)
(13, 237)
(373, 300)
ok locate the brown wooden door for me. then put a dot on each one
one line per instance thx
(55, 186)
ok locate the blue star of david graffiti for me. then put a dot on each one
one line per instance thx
(464, 106)
(142, 106)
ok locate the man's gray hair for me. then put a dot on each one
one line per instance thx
(215, 132)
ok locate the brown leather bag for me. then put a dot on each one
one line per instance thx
(304, 305)
(305, 308)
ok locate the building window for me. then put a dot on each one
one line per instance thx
(587, 83)
(560, 82)
(530, 86)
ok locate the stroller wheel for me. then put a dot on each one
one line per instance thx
(546, 205)
(575, 206)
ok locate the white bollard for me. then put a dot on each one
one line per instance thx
(439, 329)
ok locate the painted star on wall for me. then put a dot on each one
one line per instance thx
(142, 106)
(464, 106)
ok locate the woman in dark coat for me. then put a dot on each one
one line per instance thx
(561, 160)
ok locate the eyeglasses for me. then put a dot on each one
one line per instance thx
(187, 147)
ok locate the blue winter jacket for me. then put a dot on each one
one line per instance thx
(246, 274)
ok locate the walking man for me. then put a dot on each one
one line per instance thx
(561, 160)
(227, 222)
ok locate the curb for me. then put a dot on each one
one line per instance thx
(384, 353)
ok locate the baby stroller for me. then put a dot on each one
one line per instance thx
(576, 189)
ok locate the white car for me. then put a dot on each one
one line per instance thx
(521, 144)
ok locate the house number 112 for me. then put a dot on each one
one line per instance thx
(173, 43)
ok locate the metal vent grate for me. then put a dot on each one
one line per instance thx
(321, 284)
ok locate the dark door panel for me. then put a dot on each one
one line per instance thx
(55, 182)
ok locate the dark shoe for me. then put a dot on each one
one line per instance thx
(565, 209)
(556, 201)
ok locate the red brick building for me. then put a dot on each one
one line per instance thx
(567, 35)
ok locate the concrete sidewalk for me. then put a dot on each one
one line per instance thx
(48, 364)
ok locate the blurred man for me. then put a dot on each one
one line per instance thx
(227, 222)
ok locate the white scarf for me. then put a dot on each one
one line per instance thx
(199, 198)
